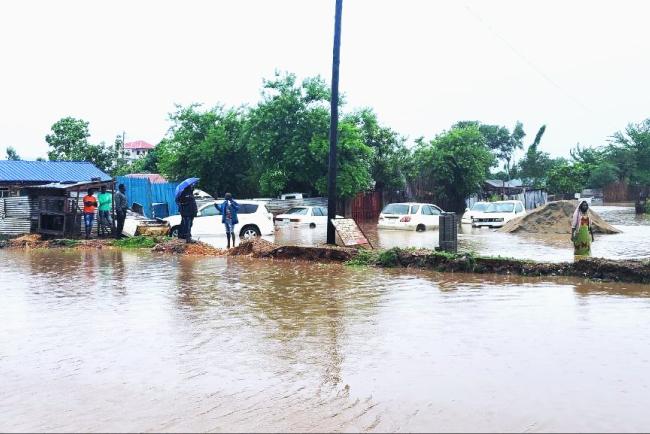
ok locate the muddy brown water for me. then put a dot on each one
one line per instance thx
(632, 243)
(125, 341)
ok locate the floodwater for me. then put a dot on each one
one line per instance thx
(632, 243)
(125, 341)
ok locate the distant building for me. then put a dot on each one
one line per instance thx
(137, 149)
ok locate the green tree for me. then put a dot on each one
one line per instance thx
(500, 141)
(631, 152)
(566, 178)
(206, 144)
(457, 162)
(287, 133)
(535, 164)
(391, 158)
(12, 154)
(68, 141)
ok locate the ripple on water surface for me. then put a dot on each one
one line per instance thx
(119, 341)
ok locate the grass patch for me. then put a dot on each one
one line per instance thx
(388, 258)
(363, 259)
(139, 242)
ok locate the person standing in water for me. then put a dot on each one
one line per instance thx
(229, 218)
(582, 234)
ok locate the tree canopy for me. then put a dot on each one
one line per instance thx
(457, 162)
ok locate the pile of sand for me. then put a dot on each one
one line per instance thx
(555, 218)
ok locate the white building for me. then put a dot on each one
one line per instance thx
(137, 149)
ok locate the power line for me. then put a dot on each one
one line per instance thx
(527, 61)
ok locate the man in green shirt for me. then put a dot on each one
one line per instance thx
(105, 200)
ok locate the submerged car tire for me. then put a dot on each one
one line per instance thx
(173, 232)
(249, 232)
(312, 225)
(421, 228)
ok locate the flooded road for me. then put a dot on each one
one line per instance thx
(122, 341)
(632, 243)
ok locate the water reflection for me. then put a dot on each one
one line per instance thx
(156, 343)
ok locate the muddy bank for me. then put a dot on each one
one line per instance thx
(555, 218)
(590, 268)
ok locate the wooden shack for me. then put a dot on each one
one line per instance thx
(45, 196)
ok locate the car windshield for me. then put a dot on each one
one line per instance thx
(396, 208)
(479, 206)
(500, 207)
(298, 211)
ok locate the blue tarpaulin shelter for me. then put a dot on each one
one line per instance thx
(148, 194)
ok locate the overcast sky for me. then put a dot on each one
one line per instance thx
(581, 67)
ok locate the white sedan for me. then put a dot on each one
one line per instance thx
(254, 220)
(410, 216)
(496, 214)
(311, 216)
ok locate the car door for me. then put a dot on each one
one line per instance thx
(432, 216)
(246, 215)
(320, 215)
(520, 210)
(208, 221)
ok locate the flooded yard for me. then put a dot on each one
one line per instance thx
(632, 243)
(125, 341)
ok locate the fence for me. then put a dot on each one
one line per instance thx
(18, 215)
(531, 198)
(620, 192)
(366, 206)
(145, 193)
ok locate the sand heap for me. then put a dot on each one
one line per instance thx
(555, 218)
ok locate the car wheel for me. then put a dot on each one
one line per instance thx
(174, 232)
(312, 225)
(421, 228)
(249, 232)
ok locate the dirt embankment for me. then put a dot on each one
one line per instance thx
(589, 268)
(555, 218)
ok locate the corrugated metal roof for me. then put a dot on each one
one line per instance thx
(49, 171)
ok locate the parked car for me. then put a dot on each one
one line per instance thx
(311, 216)
(254, 220)
(496, 214)
(474, 210)
(410, 216)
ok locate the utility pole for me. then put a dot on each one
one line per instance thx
(334, 126)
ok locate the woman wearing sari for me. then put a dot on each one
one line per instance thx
(581, 232)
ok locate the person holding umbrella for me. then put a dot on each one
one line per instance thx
(187, 207)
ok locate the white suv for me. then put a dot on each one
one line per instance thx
(496, 214)
(254, 220)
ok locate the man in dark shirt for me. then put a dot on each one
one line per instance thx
(188, 209)
(121, 205)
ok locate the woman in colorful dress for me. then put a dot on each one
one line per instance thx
(581, 232)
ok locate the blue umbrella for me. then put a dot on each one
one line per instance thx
(183, 185)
